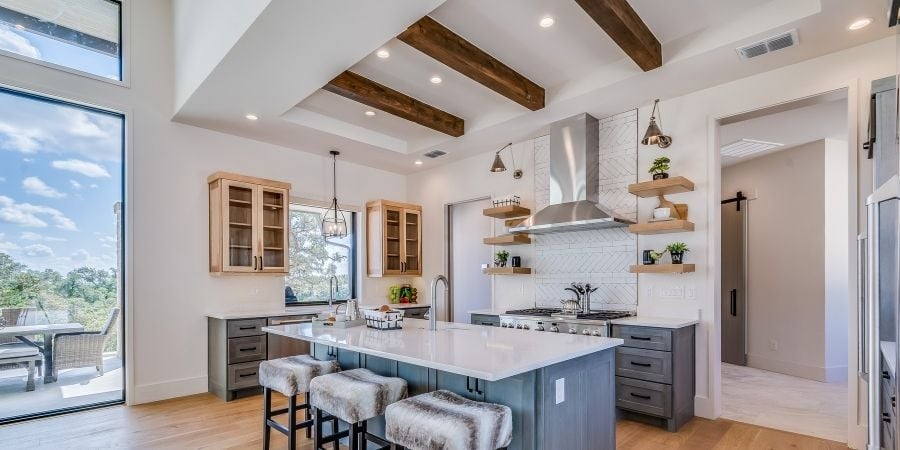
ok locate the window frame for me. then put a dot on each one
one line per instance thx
(124, 61)
(353, 226)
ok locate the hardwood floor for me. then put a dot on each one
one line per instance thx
(204, 421)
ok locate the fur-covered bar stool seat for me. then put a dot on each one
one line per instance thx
(447, 421)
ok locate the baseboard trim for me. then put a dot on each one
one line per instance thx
(823, 374)
(147, 393)
(703, 407)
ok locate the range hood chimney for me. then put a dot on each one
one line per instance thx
(574, 181)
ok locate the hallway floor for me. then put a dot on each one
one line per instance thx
(783, 402)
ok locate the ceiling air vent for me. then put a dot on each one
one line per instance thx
(435, 153)
(774, 43)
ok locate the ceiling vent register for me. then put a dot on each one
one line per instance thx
(435, 153)
(769, 45)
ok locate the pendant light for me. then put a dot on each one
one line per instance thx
(498, 165)
(654, 135)
(333, 223)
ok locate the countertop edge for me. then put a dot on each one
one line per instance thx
(656, 322)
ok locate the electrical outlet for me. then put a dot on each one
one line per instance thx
(649, 291)
(672, 292)
(773, 345)
(690, 293)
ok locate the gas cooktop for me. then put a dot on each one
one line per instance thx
(550, 312)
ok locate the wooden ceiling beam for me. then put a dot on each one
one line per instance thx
(378, 96)
(619, 20)
(437, 41)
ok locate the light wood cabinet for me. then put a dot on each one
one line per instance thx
(394, 239)
(248, 224)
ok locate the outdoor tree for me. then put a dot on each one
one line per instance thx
(314, 260)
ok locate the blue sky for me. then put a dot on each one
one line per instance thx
(60, 168)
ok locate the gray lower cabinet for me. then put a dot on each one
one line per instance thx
(416, 313)
(655, 377)
(486, 319)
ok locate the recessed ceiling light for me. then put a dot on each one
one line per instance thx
(859, 24)
(418, 162)
(436, 79)
(383, 54)
(546, 22)
(370, 113)
(252, 117)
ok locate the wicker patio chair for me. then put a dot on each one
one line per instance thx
(83, 349)
(13, 317)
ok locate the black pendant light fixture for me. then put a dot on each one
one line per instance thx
(333, 223)
(498, 165)
(654, 135)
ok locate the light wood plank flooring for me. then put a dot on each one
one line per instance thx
(204, 421)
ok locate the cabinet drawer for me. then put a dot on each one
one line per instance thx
(650, 365)
(243, 349)
(644, 396)
(644, 337)
(243, 375)
(484, 319)
(246, 327)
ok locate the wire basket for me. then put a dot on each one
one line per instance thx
(384, 320)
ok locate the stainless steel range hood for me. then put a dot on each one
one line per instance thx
(574, 181)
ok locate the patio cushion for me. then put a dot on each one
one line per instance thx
(20, 350)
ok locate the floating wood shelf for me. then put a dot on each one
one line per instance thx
(507, 212)
(661, 227)
(662, 268)
(665, 186)
(507, 271)
(508, 239)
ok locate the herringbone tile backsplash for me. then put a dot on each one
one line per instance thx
(599, 257)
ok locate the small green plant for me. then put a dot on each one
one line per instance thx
(502, 255)
(660, 165)
(656, 255)
(677, 247)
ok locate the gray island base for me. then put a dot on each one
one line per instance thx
(562, 399)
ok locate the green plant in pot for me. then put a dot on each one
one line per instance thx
(677, 251)
(660, 168)
(500, 258)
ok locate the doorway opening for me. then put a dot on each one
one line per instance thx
(785, 237)
(469, 289)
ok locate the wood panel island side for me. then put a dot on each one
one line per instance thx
(561, 388)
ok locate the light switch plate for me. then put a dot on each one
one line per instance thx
(560, 390)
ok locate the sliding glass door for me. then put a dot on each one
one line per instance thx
(61, 253)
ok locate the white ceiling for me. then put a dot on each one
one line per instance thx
(581, 68)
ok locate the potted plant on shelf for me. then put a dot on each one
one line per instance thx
(677, 250)
(660, 168)
(500, 258)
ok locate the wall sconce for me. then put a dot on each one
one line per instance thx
(654, 135)
(498, 165)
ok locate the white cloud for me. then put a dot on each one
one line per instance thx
(36, 186)
(2, 179)
(85, 168)
(81, 255)
(32, 236)
(76, 185)
(80, 124)
(28, 215)
(16, 43)
(6, 245)
(37, 251)
(94, 186)
(20, 139)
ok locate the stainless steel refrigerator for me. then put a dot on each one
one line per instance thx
(880, 269)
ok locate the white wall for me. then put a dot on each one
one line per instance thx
(169, 288)
(796, 320)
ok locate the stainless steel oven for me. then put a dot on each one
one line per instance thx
(280, 346)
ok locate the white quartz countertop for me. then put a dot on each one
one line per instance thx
(290, 311)
(488, 353)
(889, 352)
(487, 312)
(656, 322)
(396, 305)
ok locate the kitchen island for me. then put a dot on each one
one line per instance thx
(561, 388)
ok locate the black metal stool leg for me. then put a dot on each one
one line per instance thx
(307, 415)
(317, 437)
(267, 414)
(292, 419)
(354, 436)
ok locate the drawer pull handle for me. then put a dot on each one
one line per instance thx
(246, 328)
(640, 338)
(640, 364)
(250, 349)
(886, 375)
(245, 375)
(886, 417)
(645, 397)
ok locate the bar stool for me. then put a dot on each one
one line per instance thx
(290, 376)
(353, 396)
(442, 419)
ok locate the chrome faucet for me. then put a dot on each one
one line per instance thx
(432, 315)
(332, 285)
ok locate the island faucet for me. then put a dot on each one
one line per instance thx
(332, 285)
(432, 315)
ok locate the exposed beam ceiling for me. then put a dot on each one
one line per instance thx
(437, 41)
(619, 20)
(379, 96)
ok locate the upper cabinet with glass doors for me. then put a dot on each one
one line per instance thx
(248, 224)
(394, 238)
